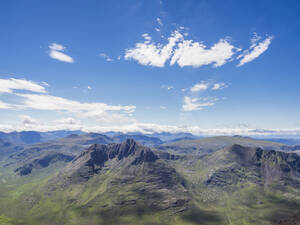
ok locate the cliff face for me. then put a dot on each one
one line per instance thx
(242, 164)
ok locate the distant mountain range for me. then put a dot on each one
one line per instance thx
(33, 137)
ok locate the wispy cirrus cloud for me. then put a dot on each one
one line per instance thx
(106, 57)
(99, 111)
(256, 49)
(198, 97)
(167, 87)
(9, 85)
(219, 86)
(56, 51)
(192, 104)
(205, 85)
(38, 99)
(4, 105)
(202, 86)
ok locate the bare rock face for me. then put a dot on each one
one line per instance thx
(242, 164)
(93, 160)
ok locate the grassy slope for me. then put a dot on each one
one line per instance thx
(93, 203)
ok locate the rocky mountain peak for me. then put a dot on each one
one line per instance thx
(92, 161)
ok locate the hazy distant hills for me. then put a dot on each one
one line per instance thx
(31, 144)
(91, 178)
(287, 141)
(211, 144)
(33, 137)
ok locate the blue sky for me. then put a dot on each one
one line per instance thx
(207, 67)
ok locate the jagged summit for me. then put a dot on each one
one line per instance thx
(94, 159)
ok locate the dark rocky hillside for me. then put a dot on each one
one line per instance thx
(292, 220)
(43, 162)
(243, 164)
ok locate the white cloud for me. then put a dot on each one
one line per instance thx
(196, 54)
(4, 105)
(44, 83)
(106, 57)
(219, 86)
(151, 54)
(255, 50)
(202, 86)
(184, 52)
(163, 107)
(27, 120)
(168, 87)
(8, 85)
(180, 51)
(147, 128)
(98, 111)
(89, 87)
(159, 21)
(192, 104)
(57, 52)
(68, 120)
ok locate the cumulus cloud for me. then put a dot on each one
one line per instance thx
(219, 86)
(196, 54)
(106, 57)
(8, 85)
(185, 52)
(256, 49)
(28, 120)
(57, 52)
(180, 51)
(192, 104)
(202, 86)
(150, 54)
